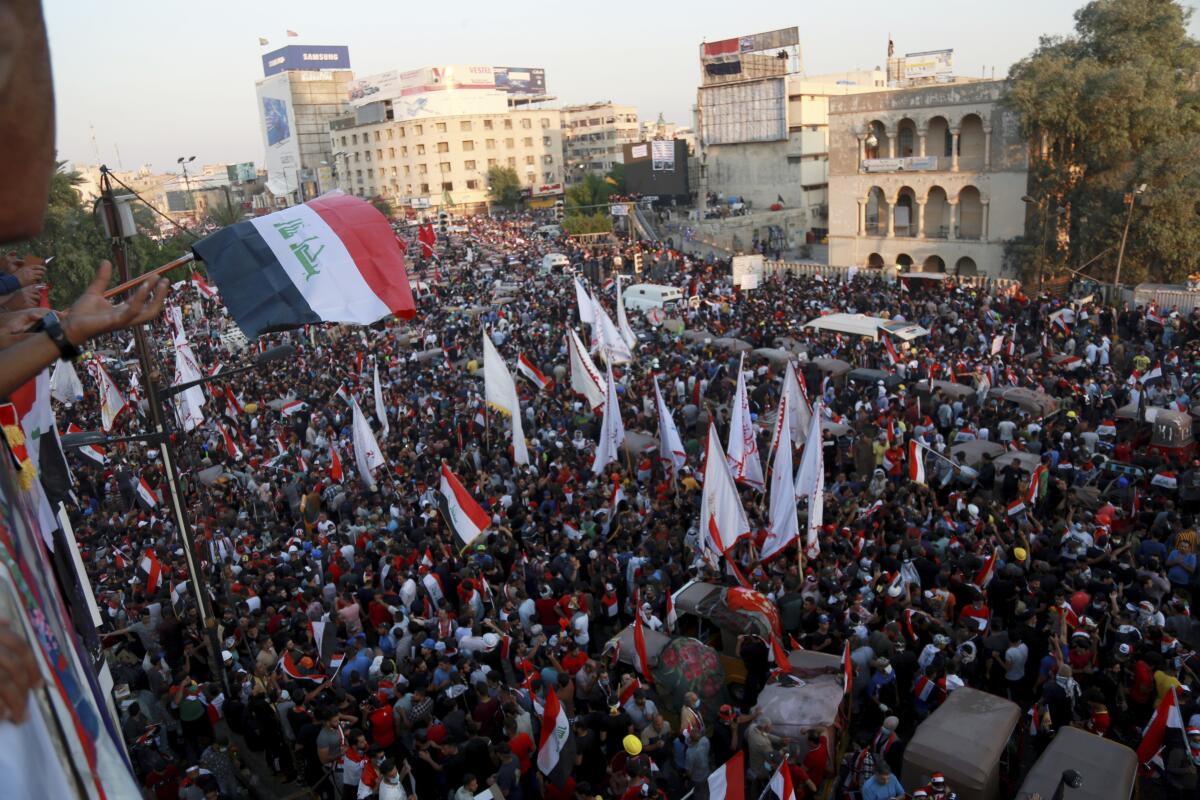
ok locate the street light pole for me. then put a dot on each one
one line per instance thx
(1130, 198)
(196, 579)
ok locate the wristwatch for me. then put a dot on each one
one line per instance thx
(52, 327)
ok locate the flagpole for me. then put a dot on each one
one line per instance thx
(129, 284)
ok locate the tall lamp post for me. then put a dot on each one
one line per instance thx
(183, 161)
(1130, 198)
(1042, 203)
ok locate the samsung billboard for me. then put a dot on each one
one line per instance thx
(521, 80)
(311, 56)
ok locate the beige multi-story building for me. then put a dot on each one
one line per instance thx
(594, 137)
(436, 161)
(926, 178)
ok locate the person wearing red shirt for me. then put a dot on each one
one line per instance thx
(547, 610)
(382, 723)
(816, 762)
(521, 744)
(976, 615)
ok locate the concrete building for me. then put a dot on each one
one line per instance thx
(927, 178)
(295, 108)
(661, 129)
(594, 137)
(429, 162)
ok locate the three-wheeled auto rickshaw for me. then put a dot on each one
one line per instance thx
(1171, 436)
(1106, 770)
(966, 740)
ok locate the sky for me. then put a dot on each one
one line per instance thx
(157, 80)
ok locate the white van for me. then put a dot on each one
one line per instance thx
(645, 296)
(550, 232)
(554, 262)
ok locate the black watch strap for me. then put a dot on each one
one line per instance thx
(52, 327)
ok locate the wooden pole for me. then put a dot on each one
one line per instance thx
(170, 265)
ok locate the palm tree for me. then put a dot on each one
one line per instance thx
(226, 213)
(63, 193)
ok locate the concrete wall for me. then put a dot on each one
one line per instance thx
(736, 234)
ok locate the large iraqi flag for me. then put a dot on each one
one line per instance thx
(333, 259)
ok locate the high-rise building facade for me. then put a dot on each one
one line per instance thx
(594, 137)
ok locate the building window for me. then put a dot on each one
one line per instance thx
(468, 165)
(526, 123)
(530, 177)
(527, 141)
(545, 141)
(424, 188)
(528, 159)
(418, 130)
(507, 124)
(358, 173)
(377, 136)
(510, 143)
(441, 127)
(370, 173)
(491, 163)
(468, 145)
(490, 144)
(393, 173)
(465, 125)
(407, 170)
(512, 161)
(420, 149)
(547, 159)
(487, 124)
(444, 167)
(443, 147)
(391, 152)
(472, 184)
(447, 186)
(343, 141)
(366, 155)
(379, 154)
(402, 134)
(545, 121)
(422, 169)
(354, 138)
(390, 132)
(404, 151)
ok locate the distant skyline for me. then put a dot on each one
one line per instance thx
(161, 80)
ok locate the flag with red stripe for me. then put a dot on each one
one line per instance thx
(781, 783)
(556, 747)
(335, 464)
(1167, 721)
(149, 565)
(728, 781)
(466, 517)
(145, 493)
(332, 259)
(916, 462)
(984, 576)
(533, 374)
(640, 660)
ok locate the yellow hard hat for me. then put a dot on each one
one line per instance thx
(633, 745)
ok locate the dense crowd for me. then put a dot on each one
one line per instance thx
(364, 653)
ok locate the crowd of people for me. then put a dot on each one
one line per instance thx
(358, 649)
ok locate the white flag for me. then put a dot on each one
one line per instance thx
(188, 402)
(797, 417)
(670, 446)
(65, 386)
(627, 334)
(380, 408)
(501, 393)
(585, 378)
(810, 481)
(585, 303)
(112, 403)
(612, 431)
(743, 445)
(785, 525)
(606, 339)
(722, 518)
(367, 455)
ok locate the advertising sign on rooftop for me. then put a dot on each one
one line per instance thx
(306, 57)
(520, 80)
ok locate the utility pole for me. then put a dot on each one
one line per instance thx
(1130, 199)
(196, 580)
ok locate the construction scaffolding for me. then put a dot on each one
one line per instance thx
(743, 86)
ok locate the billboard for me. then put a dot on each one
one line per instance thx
(754, 43)
(520, 80)
(280, 139)
(312, 56)
(929, 64)
(241, 173)
(179, 201)
(396, 83)
(755, 111)
(657, 168)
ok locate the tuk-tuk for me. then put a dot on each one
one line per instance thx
(833, 368)
(974, 450)
(871, 377)
(955, 391)
(965, 740)
(1037, 404)
(1108, 769)
(717, 615)
(1171, 435)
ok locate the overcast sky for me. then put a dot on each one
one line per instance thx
(163, 79)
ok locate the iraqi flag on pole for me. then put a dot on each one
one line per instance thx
(984, 576)
(556, 746)
(1167, 721)
(465, 515)
(293, 407)
(890, 349)
(781, 783)
(112, 403)
(335, 464)
(533, 374)
(641, 661)
(146, 494)
(728, 781)
(916, 462)
(92, 451)
(333, 259)
(149, 565)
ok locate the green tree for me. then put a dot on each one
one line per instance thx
(225, 212)
(1111, 107)
(585, 197)
(384, 205)
(504, 187)
(587, 223)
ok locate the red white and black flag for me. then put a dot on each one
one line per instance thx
(556, 744)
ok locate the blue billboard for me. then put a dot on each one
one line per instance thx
(310, 56)
(520, 80)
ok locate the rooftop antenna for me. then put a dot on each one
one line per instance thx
(117, 147)
(95, 147)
